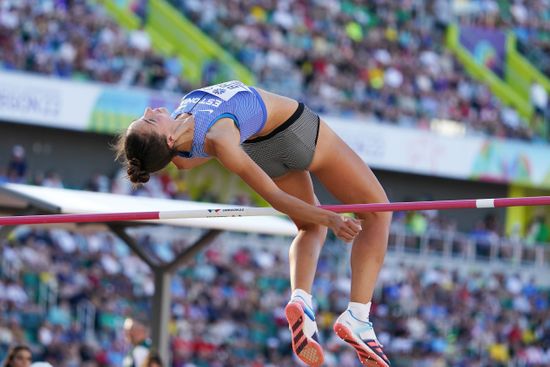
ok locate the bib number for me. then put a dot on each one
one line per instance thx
(226, 90)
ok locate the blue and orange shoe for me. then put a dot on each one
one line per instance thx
(360, 335)
(305, 339)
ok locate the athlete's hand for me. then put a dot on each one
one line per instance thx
(345, 228)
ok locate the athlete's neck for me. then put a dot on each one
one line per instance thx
(183, 133)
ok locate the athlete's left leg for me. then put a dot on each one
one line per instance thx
(351, 181)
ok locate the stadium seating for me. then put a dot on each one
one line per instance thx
(528, 20)
(385, 60)
(426, 316)
(66, 294)
(75, 39)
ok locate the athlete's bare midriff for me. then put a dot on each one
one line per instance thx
(279, 109)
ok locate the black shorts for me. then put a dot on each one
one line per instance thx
(289, 147)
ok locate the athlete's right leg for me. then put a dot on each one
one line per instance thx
(306, 247)
(303, 256)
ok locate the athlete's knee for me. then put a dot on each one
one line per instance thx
(312, 229)
(380, 218)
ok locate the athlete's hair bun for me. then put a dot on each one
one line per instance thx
(136, 173)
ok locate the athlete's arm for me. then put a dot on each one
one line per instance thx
(223, 142)
(187, 163)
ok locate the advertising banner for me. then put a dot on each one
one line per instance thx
(50, 102)
(115, 108)
(424, 152)
(487, 46)
(53, 102)
(46, 101)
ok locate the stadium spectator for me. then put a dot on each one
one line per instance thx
(140, 7)
(538, 232)
(238, 319)
(91, 47)
(18, 356)
(153, 360)
(52, 179)
(137, 334)
(140, 40)
(384, 60)
(539, 99)
(528, 20)
(99, 183)
(17, 165)
(541, 117)
(417, 223)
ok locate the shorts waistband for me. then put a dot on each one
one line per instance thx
(281, 127)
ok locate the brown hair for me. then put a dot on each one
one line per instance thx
(13, 352)
(142, 153)
(153, 357)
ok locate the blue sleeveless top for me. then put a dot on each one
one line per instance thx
(232, 99)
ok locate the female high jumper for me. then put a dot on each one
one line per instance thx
(273, 143)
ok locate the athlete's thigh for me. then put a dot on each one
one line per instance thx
(343, 172)
(298, 184)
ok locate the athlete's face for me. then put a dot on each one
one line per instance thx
(154, 120)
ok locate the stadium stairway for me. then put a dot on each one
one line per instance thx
(173, 34)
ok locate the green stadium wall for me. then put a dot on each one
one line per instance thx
(173, 34)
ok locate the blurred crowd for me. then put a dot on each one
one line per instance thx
(228, 315)
(76, 39)
(383, 59)
(528, 19)
(66, 295)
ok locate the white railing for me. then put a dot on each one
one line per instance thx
(434, 244)
(450, 244)
(47, 295)
(461, 251)
(9, 268)
(85, 314)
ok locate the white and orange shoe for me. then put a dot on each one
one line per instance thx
(360, 335)
(303, 328)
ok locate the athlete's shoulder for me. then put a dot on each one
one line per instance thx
(230, 84)
(226, 90)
